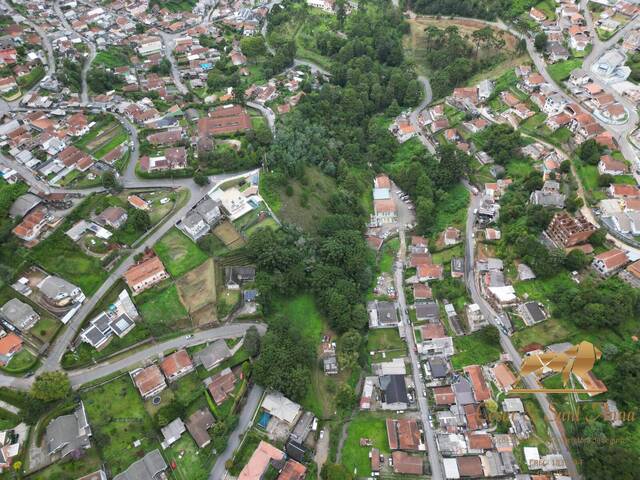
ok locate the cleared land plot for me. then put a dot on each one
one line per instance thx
(197, 291)
(476, 348)
(384, 339)
(178, 253)
(365, 425)
(228, 234)
(162, 310)
(118, 418)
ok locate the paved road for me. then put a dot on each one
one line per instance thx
(169, 42)
(267, 113)
(81, 377)
(557, 433)
(219, 472)
(435, 460)
(413, 117)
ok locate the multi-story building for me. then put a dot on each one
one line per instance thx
(567, 231)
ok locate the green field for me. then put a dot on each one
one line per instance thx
(118, 418)
(303, 313)
(114, 56)
(385, 339)
(560, 71)
(58, 255)
(364, 425)
(21, 362)
(162, 310)
(191, 462)
(451, 208)
(474, 349)
(178, 253)
(388, 255)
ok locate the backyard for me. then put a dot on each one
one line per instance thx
(118, 418)
(367, 426)
(561, 70)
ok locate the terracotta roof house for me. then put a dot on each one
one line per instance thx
(406, 464)
(623, 191)
(149, 381)
(292, 471)
(430, 272)
(10, 344)
(404, 434)
(610, 261)
(444, 395)
(432, 330)
(610, 166)
(176, 365)
(263, 456)
(505, 379)
(222, 384)
(145, 274)
(136, 202)
(481, 390)
(422, 292)
(31, 226)
(470, 466)
(479, 441)
(224, 120)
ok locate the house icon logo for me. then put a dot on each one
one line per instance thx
(578, 360)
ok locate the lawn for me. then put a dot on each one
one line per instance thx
(474, 349)
(388, 255)
(302, 312)
(445, 256)
(560, 71)
(451, 208)
(113, 57)
(384, 339)
(162, 310)
(178, 253)
(303, 202)
(58, 255)
(21, 362)
(364, 425)
(118, 418)
(191, 462)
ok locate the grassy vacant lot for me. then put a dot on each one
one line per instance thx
(197, 288)
(384, 339)
(71, 469)
(388, 255)
(178, 253)
(303, 202)
(197, 291)
(364, 425)
(560, 71)
(118, 418)
(303, 313)
(113, 57)
(191, 462)
(474, 349)
(162, 310)
(228, 235)
(451, 208)
(58, 255)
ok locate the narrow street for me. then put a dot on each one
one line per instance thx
(471, 280)
(435, 460)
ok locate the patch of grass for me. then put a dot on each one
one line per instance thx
(384, 339)
(118, 418)
(21, 362)
(388, 255)
(242, 456)
(178, 253)
(451, 208)
(445, 256)
(303, 313)
(162, 310)
(191, 462)
(58, 255)
(113, 57)
(476, 348)
(364, 425)
(560, 71)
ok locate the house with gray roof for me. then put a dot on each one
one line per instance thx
(149, 467)
(172, 432)
(213, 355)
(209, 210)
(21, 315)
(382, 314)
(68, 433)
(59, 291)
(24, 204)
(198, 425)
(194, 226)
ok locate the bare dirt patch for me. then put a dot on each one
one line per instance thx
(197, 288)
(228, 234)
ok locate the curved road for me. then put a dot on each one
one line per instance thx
(413, 116)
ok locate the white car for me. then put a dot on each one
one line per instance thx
(321, 434)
